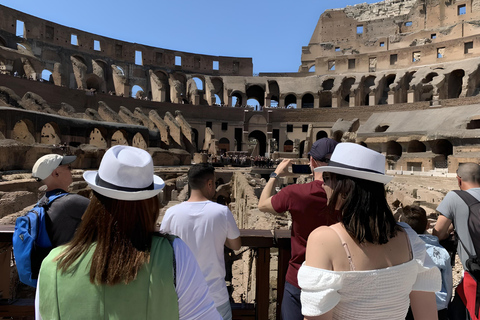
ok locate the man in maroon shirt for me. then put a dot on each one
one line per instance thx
(307, 204)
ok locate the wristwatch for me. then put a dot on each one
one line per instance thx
(273, 175)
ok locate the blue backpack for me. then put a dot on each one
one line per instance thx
(31, 243)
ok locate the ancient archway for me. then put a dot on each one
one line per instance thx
(307, 101)
(416, 146)
(50, 134)
(97, 138)
(119, 138)
(291, 101)
(23, 131)
(321, 134)
(139, 142)
(455, 82)
(224, 145)
(288, 146)
(261, 139)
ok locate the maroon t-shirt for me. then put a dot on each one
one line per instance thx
(307, 204)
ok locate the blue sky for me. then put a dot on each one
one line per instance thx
(270, 32)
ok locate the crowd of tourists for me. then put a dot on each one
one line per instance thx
(242, 161)
(351, 257)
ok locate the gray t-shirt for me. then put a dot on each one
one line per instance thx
(455, 209)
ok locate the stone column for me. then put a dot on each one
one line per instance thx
(410, 96)
(352, 100)
(391, 97)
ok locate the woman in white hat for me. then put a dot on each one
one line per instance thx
(116, 267)
(366, 266)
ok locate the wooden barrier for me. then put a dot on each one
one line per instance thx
(261, 241)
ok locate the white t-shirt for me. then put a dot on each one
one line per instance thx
(204, 226)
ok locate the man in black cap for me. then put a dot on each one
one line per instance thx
(65, 213)
(307, 204)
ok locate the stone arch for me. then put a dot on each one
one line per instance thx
(367, 87)
(160, 87)
(199, 82)
(274, 93)
(394, 150)
(139, 142)
(473, 88)
(257, 119)
(345, 90)
(195, 138)
(50, 134)
(291, 101)
(307, 101)
(101, 70)
(328, 84)
(24, 131)
(97, 138)
(416, 146)
(94, 82)
(455, 83)
(223, 145)
(288, 146)
(137, 92)
(119, 137)
(311, 69)
(256, 92)
(261, 139)
(218, 89)
(390, 79)
(442, 148)
(321, 134)
(237, 100)
(47, 76)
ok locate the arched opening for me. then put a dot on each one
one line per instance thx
(302, 148)
(288, 146)
(218, 101)
(253, 103)
(195, 138)
(368, 86)
(274, 102)
(120, 70)
(261, 141)
(345, 89)
(97, 138)
(416, 146)
(93, 82)
(137, 92)
(386, 88)
(50, 134)
(23, 131)
(291, 101)
(224, 145)
(442, 148)
(119, 138)
(455, 82)
(307, 101)
(139, 142)
(199, 83)
(429, 77)
(328, 84)
(321, 134)
(325, 99)
(237, 99)
(394, 150)
(257, 93)
(47, 76)
(312, 69)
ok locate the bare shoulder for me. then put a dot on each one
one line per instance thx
(322, 244)
(324, 237)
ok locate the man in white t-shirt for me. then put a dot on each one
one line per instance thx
(205, 226)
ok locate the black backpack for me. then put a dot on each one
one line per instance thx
(473, 262)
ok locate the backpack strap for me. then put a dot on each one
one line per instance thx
(469, 201)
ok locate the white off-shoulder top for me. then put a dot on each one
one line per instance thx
(373, 294)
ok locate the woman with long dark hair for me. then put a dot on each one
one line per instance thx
(366, 266)
(116, 266)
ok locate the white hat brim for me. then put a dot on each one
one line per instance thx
(158, 185)
(365, 175)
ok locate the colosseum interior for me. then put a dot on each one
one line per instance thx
(402, 77)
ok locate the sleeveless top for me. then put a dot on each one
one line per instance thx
(71, 295)
(371, 294)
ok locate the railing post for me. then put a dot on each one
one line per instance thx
(263, 283)
(282, 241)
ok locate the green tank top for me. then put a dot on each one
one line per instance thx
(72, 296)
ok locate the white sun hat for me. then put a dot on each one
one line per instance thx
(356, 161)
(125, 173)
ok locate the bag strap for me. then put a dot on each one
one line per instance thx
(469, 201)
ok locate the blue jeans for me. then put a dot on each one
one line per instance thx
(225, 311)
(291, 307)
